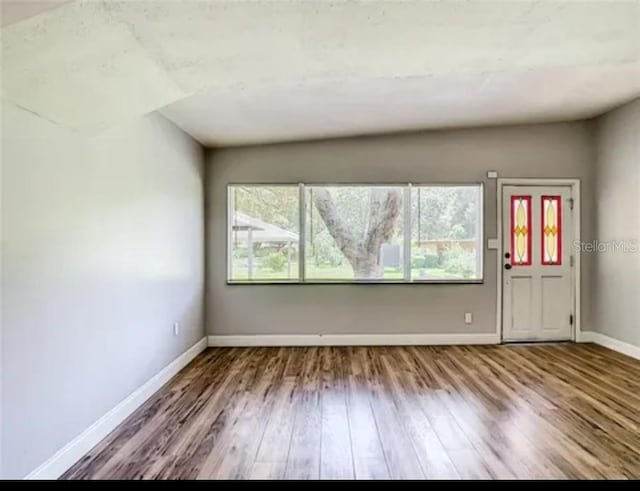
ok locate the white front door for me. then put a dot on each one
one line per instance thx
(537, 301)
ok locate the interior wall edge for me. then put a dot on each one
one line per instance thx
(616, 217)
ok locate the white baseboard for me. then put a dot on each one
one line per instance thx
(611, 343)
(353, 339)
(68, 455)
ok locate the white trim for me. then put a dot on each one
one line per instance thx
(73, 451)
(480, 239)
(302, 232)
(577, 270)
(577, 218)
(611, 343)
(353, 339)
(407, 228)
(230, 208)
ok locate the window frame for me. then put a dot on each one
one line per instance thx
(406, 217)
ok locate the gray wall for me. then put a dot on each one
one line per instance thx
(103, 251)
(554, 150)
(616, 281)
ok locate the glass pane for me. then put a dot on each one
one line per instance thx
(551, 230)
(264, 235)
(521, 230)
(354, 233)
(446, 232)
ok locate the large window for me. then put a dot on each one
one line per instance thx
(355, 233)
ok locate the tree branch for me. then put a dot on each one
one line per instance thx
(384, 213)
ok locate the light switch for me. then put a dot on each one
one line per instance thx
(492, 244)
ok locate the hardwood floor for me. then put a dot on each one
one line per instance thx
(539, 411)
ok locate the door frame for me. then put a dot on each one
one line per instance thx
(574, 184)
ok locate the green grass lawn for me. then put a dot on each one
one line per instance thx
(319, 273)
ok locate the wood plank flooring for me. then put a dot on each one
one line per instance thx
(503, 412)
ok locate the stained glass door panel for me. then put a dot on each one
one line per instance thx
(551, 230)
(521, 230)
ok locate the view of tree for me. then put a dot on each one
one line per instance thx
(361, 245)
(444, 212)
(277, 205)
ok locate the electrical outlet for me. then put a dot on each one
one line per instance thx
(468, 317)
(176, 328)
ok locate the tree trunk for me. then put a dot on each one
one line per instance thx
(364, 254)
(345, 240)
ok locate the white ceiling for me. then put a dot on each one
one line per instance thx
(250, 72)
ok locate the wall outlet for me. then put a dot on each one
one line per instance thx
(176, 328)
(468, 317)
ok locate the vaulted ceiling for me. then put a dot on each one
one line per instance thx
(233, 72)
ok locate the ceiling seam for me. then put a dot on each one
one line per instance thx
(36, 114)
(151, 54)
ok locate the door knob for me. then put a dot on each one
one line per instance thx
(507, 255)
(507, 266)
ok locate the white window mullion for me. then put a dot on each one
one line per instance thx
(480, 232)
(302, 232)
(407, 233)
(230, 225)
